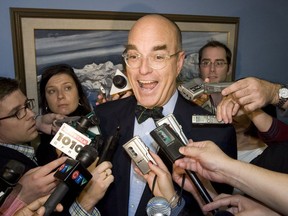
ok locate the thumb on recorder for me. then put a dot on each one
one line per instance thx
(160, 182)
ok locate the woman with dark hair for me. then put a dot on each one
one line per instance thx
(61, 92)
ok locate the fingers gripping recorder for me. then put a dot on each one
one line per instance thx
(169, 136)
(139, 153)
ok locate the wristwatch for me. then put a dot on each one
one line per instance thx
(283, 96)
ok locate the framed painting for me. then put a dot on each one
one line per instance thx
(92, 43)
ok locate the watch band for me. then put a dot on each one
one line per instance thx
(282, 100)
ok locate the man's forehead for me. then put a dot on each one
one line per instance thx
(210, 49)
(12, 101)
(153, 48)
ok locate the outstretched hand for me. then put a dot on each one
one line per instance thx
(239, 205)
(36, 208)
(253, 93)
(205, 158)
(102, 99)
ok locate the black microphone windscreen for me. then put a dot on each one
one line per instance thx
(87, 155)
(158, 206)
(12, 171)
(109, 148)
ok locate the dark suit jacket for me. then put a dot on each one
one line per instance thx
(122, 113)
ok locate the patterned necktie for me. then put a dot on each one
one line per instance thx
(143, 113)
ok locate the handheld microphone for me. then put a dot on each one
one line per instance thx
(71, 137)
(72, 174)
(109, 148)
(9, 177)
(158, 206)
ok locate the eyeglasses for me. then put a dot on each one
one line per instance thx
(22, 112)
(217, 63)
(155, 61)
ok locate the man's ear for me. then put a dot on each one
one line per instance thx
(180, 61)
(229, 73)
(229, 70)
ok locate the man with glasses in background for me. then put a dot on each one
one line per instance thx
(215, 66)
(154, 58)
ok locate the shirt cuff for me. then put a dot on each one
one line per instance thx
(11, 205)
(176, 211)
(77, 210)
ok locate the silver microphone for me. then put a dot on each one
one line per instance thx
(158, 206)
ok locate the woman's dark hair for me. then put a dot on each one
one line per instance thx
(84, 106)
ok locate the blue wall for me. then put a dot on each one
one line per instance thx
(262, 43)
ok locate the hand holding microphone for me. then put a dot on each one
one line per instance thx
(160, 182)
(72, 175)
(97, 186)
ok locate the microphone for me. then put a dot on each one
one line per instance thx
(9, 177)
(73, 135)
(158, 206)
(74, 142)
(72, 174)
(109, 148)
(120, 84)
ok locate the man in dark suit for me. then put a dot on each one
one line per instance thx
(153, 58)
